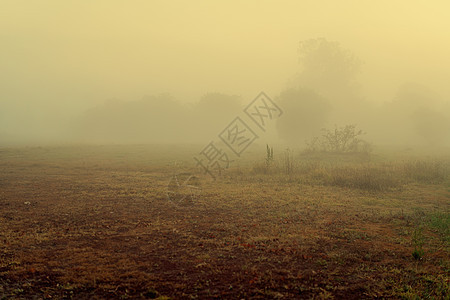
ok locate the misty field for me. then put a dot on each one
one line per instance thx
(98, 222)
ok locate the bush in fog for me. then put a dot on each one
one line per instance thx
(340, 140)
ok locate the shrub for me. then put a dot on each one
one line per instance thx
(340, 140)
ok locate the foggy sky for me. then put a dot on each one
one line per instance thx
(59, 59)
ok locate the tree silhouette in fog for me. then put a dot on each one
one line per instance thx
(305, 113)
(157, 118)
(432, 126)
(213, 112)
(325, 89)
(415, 116)
(328, 69)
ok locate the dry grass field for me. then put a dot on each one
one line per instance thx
(96, 222)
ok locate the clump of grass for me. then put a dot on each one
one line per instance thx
(418, 241)
(288, 162)
(266, 167)
(353, 172)
(440, 222)
(371, 178)
(423, 171)
(260, 168)
(269, 156)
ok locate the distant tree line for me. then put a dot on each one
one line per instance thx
(325, 93)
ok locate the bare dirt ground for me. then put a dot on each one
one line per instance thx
(97, 223)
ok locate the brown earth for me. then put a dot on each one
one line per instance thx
(96, 228)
